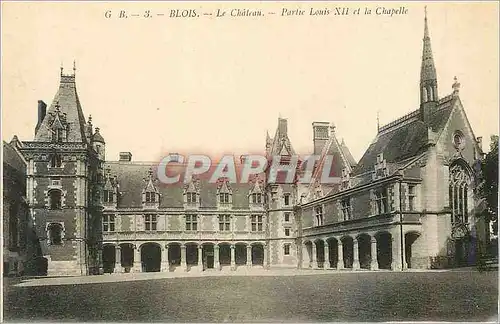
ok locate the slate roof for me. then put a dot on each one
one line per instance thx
(405, 138)
(69, 103)
(12, 159)
(131, 180)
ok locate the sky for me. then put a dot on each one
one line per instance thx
(212, 85)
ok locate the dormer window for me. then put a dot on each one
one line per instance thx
(191, 197)
(108, 196)
(57, 135)
(256, 198)
(55, 161)
(224, 192)
(150, 197)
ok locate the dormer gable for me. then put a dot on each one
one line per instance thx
(150, 192)
(380, 168)
(191, 193)
(111, 191)
(256, 193)
(224, 193)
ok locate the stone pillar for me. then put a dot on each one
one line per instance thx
(340, 248)
(313, 256)
(118, 259)
(216, 257)
(266, 257)
(397, 253)
(233, 261)
(183, 258)
(249, 255)
(200, 257)
(374, 261)
(355, 261)
(327, 265)
(137, 259)
(165, 263)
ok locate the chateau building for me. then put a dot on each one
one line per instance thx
(410, 202)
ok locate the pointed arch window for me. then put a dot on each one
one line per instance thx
(458, 194)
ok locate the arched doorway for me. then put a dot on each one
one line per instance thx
(364, 250)
(174, 255)
(127, 256)
(208, 256)
(191, 255)
(307, 255)
(412, 241)
(348, 251)
(108, 258)
(240, 254)
(257, 254)
(151, 257)
(224, 254)
(384, 250)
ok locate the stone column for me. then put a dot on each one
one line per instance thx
(200, 257)
(183, 258)
(397, 253)
(313, 256)
(355, 261)
(165, 263)
(374, 261)
(216, 257)
(249, 255)
(266, 257)
(118, 259)
(327, 265)
(340, 248)
(137, 259)
(233, 261)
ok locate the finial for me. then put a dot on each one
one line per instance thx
(97, 129)
(378, 120)
(425, 11)
(455, 86)
(57, 106)
(74, 67)
(90, 119)
(62, 69)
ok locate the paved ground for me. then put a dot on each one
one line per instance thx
(279, 296)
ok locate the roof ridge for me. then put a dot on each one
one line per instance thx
(399, 121)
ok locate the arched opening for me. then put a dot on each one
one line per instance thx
(348, 251)
(320, 253)
(411, 254)
(459, 184)
(224, 254)
(174, 255)
(108, 258)
(257, 254)
(364, 250)
(384, 250)
(127, 256)
(333, 252)
(55, 231)
(208, 256)
(191, 254)
(240, 254)
(55, 196)
(151, 257)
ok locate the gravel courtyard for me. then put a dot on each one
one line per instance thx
(375, 296)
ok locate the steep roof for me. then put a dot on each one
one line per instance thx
(12, 158)
(406, 137)
(68, 102)
(131, 180)
(281, 144)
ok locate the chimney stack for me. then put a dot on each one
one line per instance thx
(42, 111)
(321, 134)
(125, 156)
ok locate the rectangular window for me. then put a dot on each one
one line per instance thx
(224, 198)
(191, 197)
(224, 223)
(150, 222)
(257, 223)
(287, 217)
(286, 249)
(346, 209)
(319, 215)
(411, 197)
(287, 199)
(108, 196)
(150, 197)
(256, 198)
(287, 232)
(108, 223)
(381, 202)
(191, 223)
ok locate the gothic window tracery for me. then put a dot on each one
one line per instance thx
(458, 192)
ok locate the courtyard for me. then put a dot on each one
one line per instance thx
(279, 296)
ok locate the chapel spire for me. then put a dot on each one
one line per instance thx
(428, 76)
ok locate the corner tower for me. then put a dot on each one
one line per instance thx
(64, 180)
